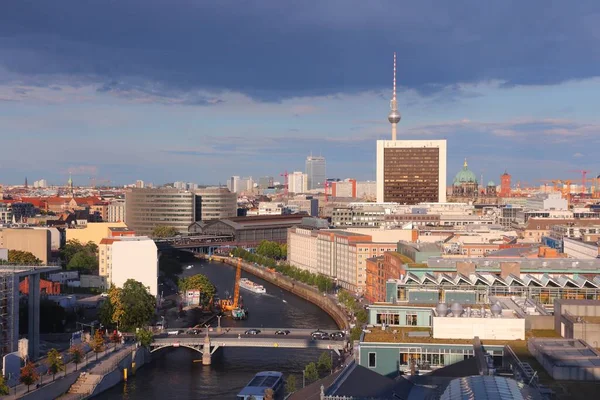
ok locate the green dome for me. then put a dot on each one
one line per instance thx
(491, 183)
(465, 176)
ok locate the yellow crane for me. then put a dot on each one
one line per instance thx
(233, 303)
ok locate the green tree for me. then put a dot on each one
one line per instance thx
(97, 343)
(22, 258)
(361, 316)
(133, 306)
(162, 231)
(355, 333)
(106, 313)
(76, 352)
(29, 375)
(4, 389)
(324, 365)
(310, 372)
(198, 282)
(84, 261)
(290, 384)
(54, 362)
(144, 337)
(74, 247)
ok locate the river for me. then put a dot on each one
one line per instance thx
(173, 374)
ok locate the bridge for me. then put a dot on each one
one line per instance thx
(201, 243)
(235, 337)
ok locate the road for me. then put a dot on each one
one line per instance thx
(229, 333)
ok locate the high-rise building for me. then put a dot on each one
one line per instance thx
(410, 171)
(215, 203)
(146, 209)
(316, 172)
(297, 182)
(236, 184)
(139, 184)
(265, 182)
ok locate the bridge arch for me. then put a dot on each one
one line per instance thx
(165, 346)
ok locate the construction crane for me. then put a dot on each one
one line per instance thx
(583, 173)
(233, 305)
(554, 182)
(286, 183)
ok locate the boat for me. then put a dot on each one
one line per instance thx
(251, 286)
(262, 381)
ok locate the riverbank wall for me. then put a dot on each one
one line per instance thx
(300, 289)
(115, 374)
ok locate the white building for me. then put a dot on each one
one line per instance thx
(238, 185)
(297, 182)
(551, 201)
(411, 171)
(115, 211)
(270, 208)
(5, 214)
(581, 250)
(302, 248)
(139, 184)
(366, 190)
(135, 258)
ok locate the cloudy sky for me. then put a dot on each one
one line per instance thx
(200, 90)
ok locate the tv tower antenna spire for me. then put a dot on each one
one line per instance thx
(394, 115)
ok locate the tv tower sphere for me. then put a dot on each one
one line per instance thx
(394, 116)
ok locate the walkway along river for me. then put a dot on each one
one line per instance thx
(173, 374)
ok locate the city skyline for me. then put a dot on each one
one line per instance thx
(496, 98)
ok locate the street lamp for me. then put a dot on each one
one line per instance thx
(303, 379)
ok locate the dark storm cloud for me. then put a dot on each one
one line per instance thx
(273, 50)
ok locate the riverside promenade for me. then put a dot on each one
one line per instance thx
(51, 389)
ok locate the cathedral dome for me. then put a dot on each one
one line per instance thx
(465, 175)
(491, 183)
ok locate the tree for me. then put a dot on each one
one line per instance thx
(4, 389)
(23, 258)
(290, 384)
(162, 231)
(145, 337)
(55, 362)
(29, 375)
(361, 316)
(76, 353)
(83, 261)
(310, 372)
(115, 338)
(324, 365)
(133, 306)
(106, 312)
(97, 343)
(198, 282)
(74, 246)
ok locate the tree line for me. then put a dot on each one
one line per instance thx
(322, 282)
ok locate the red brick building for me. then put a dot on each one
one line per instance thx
(46, 287)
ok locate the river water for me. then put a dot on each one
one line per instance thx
(173, 374)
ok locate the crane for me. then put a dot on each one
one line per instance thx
(233, 305)
(583, 173)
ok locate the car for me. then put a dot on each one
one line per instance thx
(190, 267)
(252, 332)
(194, 331)
(282, 332)
(337, 336)
(104, 295)
(316, 335)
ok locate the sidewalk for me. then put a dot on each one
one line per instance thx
(89, 362)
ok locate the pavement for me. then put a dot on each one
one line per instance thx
(89, 362)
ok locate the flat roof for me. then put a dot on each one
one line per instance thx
(567, 352)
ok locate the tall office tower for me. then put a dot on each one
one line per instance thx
(316, 172)
(215, 203)
(410, 171)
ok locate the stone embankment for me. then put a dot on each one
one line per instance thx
(298, 288)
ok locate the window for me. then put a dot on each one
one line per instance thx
(411, 319)
(372, 360)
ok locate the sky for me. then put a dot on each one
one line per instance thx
(199, 90)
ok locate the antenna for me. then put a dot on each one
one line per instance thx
(394, 116)
(394, 90)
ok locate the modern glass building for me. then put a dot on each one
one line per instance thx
(316, 172)
(147, 208)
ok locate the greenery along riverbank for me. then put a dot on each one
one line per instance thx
(323, 283)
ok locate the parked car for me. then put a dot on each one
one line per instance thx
(282, 332)
(252, 332)
(337, 336)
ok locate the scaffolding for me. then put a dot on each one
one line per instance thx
(7, 330)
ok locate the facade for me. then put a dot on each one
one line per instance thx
(135, 258)
(5, 214)
(115, 211)
(419, 252)
(379, 271)
(302, 247)
(505, 185)
(235, 184)
(305, 204)
(215, 203)
(93, 232)
(551, 201)
(345, 188)
(297, 182)
(36, 241)
(411, 171)
(578, 249)
(316, 172)
(145, 209)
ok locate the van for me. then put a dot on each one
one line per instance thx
(173, 333)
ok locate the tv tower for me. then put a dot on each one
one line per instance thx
(394, 115)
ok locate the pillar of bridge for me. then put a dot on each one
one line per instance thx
(219, 323)
(206, 350)
(34, 316)
(14, 312)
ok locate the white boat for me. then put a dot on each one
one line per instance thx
(251, 286)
